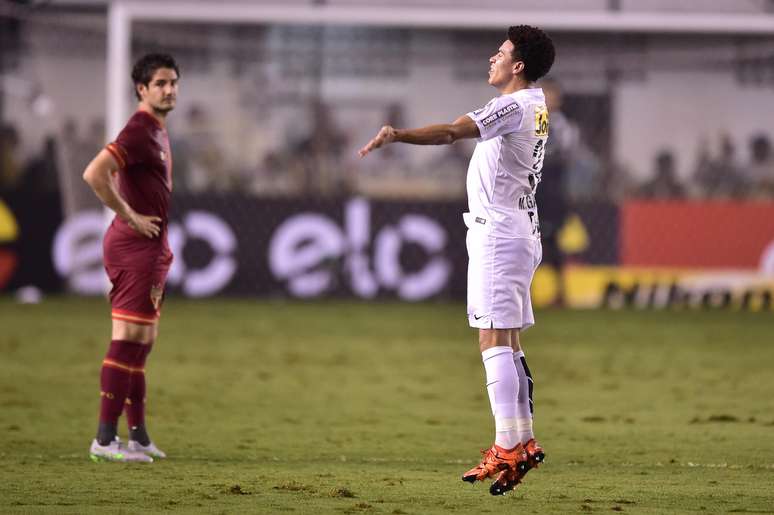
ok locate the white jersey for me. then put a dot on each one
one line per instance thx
(504, 170)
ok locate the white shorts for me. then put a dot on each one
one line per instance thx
(500, 272)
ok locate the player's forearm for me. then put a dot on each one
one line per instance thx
(108, 195)
(106, 192)
(442, 134)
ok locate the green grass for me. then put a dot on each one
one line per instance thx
(272, 407)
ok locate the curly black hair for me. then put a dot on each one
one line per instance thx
(146, 66)
(532, 46)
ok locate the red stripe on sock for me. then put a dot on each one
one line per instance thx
(115, 380)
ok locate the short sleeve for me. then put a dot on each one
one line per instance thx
(501, 115)
(127, 147)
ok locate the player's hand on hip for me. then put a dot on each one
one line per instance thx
(386, 135)
(148, 226)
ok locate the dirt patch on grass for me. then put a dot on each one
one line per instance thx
(293, 486)
(237, 490)
(341, 492)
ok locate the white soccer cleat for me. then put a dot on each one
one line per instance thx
(148, 450)
(115, 451)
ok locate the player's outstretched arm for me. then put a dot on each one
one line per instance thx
(442, 134)
(98, 175)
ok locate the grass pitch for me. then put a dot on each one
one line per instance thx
(274, 407)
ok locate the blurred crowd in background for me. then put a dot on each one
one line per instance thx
(280, 111)
(322, 163)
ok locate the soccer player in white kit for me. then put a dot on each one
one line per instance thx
(503, 238)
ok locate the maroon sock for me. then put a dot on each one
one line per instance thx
(114, 378)
(135, 399)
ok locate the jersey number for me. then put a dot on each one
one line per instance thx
(541, 121)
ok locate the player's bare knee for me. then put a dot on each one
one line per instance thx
(127, 331)
(515, 343)
(488, 338)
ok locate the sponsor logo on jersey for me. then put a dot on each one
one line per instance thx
(505, 111)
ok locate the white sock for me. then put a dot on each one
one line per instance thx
(502, 385)
(523, 399)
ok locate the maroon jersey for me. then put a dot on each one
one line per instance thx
(145, 182)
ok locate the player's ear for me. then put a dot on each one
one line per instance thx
(518, 67)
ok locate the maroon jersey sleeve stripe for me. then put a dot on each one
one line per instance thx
(118, 154)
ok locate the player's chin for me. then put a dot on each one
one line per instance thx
(166, 107)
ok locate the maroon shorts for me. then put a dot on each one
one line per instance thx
(134, 292)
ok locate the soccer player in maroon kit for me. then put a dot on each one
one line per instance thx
(133, 177)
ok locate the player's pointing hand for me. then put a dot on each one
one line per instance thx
(148, 226)
(386, 135)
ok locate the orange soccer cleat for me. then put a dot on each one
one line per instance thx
(497, 460)
(507, 480)
(535, 453)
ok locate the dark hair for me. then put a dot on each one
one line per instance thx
(146, 66)
(532, 46)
